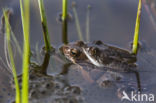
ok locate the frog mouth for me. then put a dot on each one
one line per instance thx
(92, 59)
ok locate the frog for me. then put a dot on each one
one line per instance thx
(119, 59)
(100, 55)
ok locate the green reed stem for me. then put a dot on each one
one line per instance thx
(10, 52)
(137, 27)
(44, 26)
(65, 21)
(77, 21)
(65, 31)
(64, 9)
(26, 52)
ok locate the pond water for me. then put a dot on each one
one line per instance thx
(111, 21)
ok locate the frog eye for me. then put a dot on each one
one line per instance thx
(74, 52)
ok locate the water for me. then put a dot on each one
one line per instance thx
(112, 21)
(6, 93)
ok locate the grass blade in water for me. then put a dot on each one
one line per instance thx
(77, 22)
(64, 10)
(44, 26)
(137, 28)
(64, 21)
(11, 58)
(87, 24)
(26, 52)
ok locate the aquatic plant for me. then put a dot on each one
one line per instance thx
(88, 24)
(65, 31)
(64, 9)
(77, 21)
(26, 52)
(64, 19)
(150, 8)
(44, 26)
(137, 28)
(80, 36)
(10, 52)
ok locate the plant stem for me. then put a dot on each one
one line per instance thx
(77, 21)
(149, 12)
(65, 31)
(10, 52)
(88, 24)
(44, 26)
(45, 63)
(26, 52)
(64, 9)
(64, 21)
(137, 27)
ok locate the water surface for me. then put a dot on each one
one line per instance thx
(112, 21)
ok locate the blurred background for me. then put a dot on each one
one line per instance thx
(112, 21)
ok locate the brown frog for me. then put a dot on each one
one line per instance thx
(99, 54)
(104, 57)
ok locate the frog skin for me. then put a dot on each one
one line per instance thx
(111, 51)
(73, 51)
(99, 58)
(99, 54)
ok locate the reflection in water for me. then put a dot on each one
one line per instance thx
(108, 79)
(65, 68)
(138, 80)
(45, 63)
